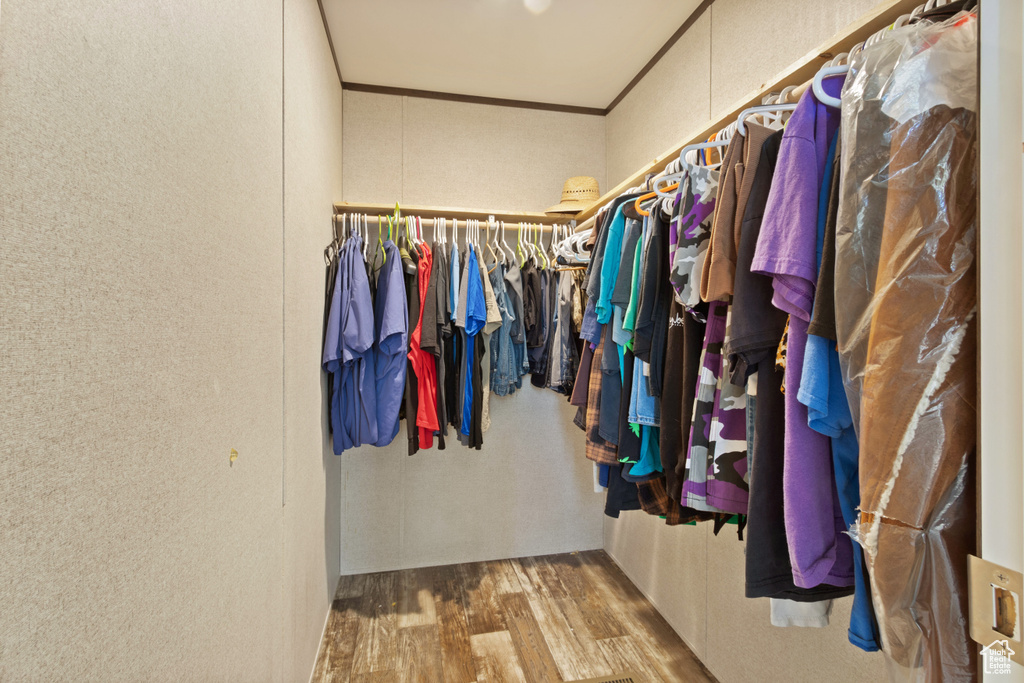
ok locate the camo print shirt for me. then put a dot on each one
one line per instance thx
(716, 464)
(690, 233)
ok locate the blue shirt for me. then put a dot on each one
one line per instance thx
(348, 352)
(828, 412)
(610, 265)
(391, 328)
(476, 317)
(332, 347)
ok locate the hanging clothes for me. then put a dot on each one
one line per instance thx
(504, 373)
(492, 323)
(475, 319)
(689, 235)
(348, 352)
(391, 335)
(410, 264)
(905, 274)
(520, 360)
(786, 250)
(331, 275)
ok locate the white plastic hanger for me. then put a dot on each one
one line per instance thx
(697, 146)
(366, 235)
(819, 89)
(760, 109)
(521, 257)
(504, 245)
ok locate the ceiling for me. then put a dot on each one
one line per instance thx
(575, 52)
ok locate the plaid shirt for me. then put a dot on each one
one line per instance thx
(598, 450)
(654, 500)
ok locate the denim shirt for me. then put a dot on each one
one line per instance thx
(504, 377)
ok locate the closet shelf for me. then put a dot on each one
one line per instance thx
(374, 210)
(799, 72)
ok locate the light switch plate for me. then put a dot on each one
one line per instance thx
(995, 602)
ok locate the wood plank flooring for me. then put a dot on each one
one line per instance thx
(531, 620)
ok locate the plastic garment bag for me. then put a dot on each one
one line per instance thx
(906, 298)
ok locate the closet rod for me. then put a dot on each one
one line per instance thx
(449, 213)
(510, 226)
(799, 72)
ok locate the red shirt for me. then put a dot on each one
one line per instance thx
(423, 362)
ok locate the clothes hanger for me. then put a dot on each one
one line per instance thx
(490, 246)
(366, 229)
(819, 89)
(380, 244)
(538, 243)
(697, 147)
(668, 184)
(521, 260)
(761, 109)
(504, 243)
(331, 250)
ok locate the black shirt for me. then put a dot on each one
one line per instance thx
(757, 325)
(823, 318)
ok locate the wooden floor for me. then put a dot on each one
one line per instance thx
(532, 620)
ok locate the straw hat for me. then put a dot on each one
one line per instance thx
(577, 194)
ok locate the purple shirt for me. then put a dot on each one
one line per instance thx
(391, 327)
(819, 551)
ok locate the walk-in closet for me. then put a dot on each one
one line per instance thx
(526, 341)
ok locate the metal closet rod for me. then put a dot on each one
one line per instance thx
(429, 222)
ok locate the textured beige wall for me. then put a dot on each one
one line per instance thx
(731, 50)
(694, 578)
(141, 323)
(436, 153)
(669, 102)
(530, 490)
(142, 337)
(752, 40)
(312, 182)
